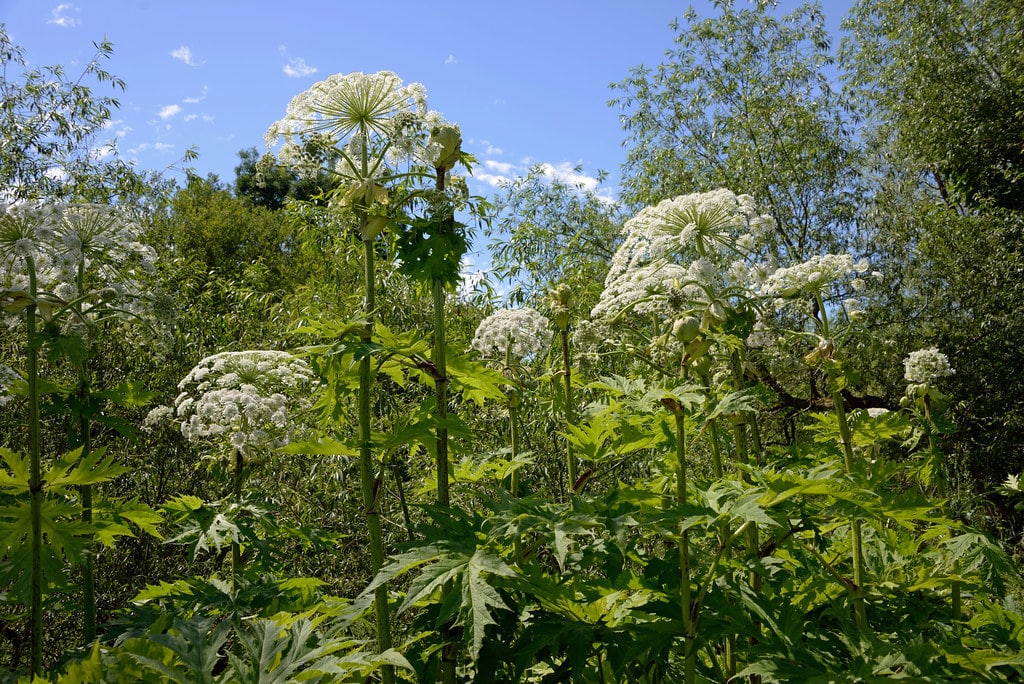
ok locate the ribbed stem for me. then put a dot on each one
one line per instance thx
(35, 485)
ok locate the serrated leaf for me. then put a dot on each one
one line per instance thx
(322, 446)
(75, 470)
(474, 380)
(129, 393)
(16, 475)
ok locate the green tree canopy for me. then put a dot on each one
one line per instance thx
(744, 100)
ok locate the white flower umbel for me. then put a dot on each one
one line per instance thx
(519, 333)
(366, 116)
(812, 277)
(709, 225)
(76, 250)
(926, 366)
(243, 398)
(711, 233)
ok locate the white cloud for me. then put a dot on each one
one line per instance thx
(297, 68)
(198, 99)
(503, 168)
(184, 54)
(566, 173)
(118, 126)
(103, 152)
(162, 147)
(450, 60)
(169, 111)
(191, 117)
(61, 18)
(494, 180)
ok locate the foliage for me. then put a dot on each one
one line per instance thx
(690, 482)
(744, 100)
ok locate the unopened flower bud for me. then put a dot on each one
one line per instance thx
(686, 329)
(447, 141)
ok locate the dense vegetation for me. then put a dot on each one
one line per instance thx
(758, 421)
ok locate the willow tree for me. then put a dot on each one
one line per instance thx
(745, 99)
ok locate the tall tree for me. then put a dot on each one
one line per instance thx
(49, 128)
(942, 88)
(939, 88)
(744, 100)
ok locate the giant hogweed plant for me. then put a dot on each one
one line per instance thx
(67, 273)
(394, 158)
(780, 560)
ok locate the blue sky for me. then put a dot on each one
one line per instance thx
(527, 80)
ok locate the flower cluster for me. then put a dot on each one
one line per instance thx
(242, 397)
(813, 276)
(73, 251)
(714, 232)
(926, 366)
(710, 225)
(357, 111)
(516, 333)
(8, 376)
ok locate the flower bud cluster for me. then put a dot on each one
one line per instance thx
(243, 398)
(516, 333)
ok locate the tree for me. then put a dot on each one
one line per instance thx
(744, 101)
(270, 184)
(222, 233)
(49, 123)
(546, 232)
(939, 88)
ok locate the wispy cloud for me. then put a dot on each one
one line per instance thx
(184, 54)
(61, 17)
(451, 60)
(196, 99)
(567, 173)
(169, 111)
(297, 68)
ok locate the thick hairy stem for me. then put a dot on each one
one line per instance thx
(370, 483)
(88, 561)
(449, 651)
(860, 613)
(570, 457)
(35, 485)
(441, 395)
(236, 492)
(685, 595)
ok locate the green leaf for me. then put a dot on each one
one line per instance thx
(473, 379)
(18, 477)
(73, 470)
(129, 393)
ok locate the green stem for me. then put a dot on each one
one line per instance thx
(85, 441)
(88, 560)
(570, 457)
(441, 395)
(370, 482)
(35, 485)
(449, 651)
(685, 596)
(846, 436)
(236, 491)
